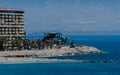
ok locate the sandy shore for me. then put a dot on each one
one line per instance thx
(27, 55)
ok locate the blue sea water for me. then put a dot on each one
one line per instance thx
(109, 43)
(61, 68)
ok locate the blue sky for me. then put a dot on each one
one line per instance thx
(68, 15)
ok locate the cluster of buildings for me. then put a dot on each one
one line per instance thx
(11, 26)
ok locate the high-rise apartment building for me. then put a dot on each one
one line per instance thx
(11, 27)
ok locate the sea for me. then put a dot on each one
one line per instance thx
(109, 43)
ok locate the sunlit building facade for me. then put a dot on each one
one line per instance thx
(11, 27)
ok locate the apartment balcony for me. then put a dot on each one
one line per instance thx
(12, 25)
(11, 35)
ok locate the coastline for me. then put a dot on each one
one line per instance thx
(29, 55)
(4, 60)
(51, 52)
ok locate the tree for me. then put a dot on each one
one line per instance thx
(1, 45)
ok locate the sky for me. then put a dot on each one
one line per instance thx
(70, 16)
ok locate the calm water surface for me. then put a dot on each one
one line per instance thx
(107, 42)
(60, 69)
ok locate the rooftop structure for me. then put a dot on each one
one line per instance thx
(11, 27)
(11, 10)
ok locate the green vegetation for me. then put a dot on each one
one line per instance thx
(51, 40)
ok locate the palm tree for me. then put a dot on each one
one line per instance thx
(1, 44)
(4, 42)
(13, 44)
(26, 44)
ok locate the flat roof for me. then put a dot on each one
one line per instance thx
(11, 10)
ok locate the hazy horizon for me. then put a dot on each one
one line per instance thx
(69, 16)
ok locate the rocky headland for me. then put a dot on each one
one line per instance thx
(51, 52)
(29, 55)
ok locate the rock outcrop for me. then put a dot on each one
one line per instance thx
(51, 52)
